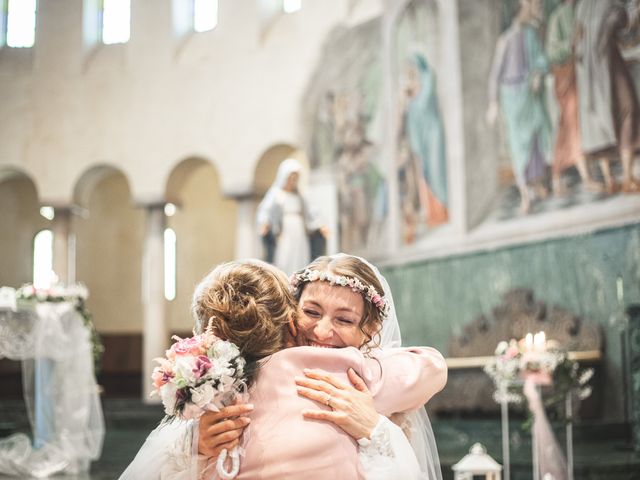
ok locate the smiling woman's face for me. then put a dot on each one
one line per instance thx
(329, 316)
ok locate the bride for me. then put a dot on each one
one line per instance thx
(320, 450)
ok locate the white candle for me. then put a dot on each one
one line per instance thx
(619, 289)
(539, 341)
(528, 342)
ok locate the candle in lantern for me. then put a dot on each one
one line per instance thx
(528, 342)
(619, 289)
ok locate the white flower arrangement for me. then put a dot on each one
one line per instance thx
(515, 360)
(55, 293)
(77, 294)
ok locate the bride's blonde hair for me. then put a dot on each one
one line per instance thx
(247, 303)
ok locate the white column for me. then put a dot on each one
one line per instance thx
(450, 89)
(246, 234)
(155, 335)
(63, 245)
(393, 10)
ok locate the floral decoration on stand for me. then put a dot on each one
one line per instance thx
(545, 361)
(55, 293)
(199, 374)
(77, 294)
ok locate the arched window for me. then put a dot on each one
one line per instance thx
(205, 15)
(290, 6)
(169, 264)
(194, 15)
(18, 23)
(43, 259)
(116, 21)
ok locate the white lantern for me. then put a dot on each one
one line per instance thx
(477, 464)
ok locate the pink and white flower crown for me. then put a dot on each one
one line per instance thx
(367, 291)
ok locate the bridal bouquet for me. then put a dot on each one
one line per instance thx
(201, 373)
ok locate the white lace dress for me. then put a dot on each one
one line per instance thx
(169, 454)
(388, 455)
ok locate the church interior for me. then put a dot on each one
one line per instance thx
(469, 149)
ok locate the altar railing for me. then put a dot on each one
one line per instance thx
(456, 363)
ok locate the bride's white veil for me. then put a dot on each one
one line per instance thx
(422, 439)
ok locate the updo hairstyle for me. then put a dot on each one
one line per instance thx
(247, 303)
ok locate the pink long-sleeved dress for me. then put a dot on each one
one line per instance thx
(281, 444)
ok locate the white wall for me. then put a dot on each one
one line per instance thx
(226, 95)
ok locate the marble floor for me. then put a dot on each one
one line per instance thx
(601, 451)
(128, 422)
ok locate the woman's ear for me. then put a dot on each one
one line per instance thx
(293, 327)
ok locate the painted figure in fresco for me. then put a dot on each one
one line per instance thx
(567, 151)
(516, 86)
(354, 190)
(424, 133)
(361, 187)
(324, 140)
(409, 172)
(609, 109)
(408, 187)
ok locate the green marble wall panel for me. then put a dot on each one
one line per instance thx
(436, 298)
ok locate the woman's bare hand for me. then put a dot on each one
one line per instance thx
(220, 430)
(352, 406)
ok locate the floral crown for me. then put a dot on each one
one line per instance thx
(368, 291)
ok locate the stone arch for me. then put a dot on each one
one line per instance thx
(21, 221)
(90, 178)
(108, 233)
(205, 228)
(179, 175)
(10, 172)
(267, 166)
(424, 19)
